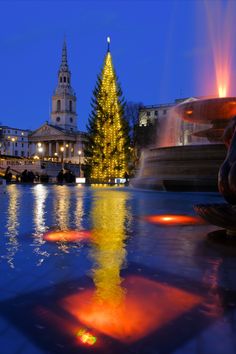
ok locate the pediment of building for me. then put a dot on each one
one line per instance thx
(47, 130)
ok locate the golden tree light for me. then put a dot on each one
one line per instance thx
(108, 136)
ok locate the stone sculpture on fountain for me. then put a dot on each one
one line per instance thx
(224, 215)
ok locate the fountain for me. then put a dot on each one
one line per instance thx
(190, 167)
(195, 167)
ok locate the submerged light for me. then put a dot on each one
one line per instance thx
(173, 219)
(66, 235)
(86, 337)
(189, 112)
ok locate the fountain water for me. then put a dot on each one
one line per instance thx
(195, 167)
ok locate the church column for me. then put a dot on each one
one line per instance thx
(50, 149)
(70, 146)
(64, 151)
(57, 148)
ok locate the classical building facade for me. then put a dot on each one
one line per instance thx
(14, 141)
(60, 138)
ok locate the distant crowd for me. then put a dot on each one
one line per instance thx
(67, 177)
(30, 177)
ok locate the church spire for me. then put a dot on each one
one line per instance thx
(64, 64)
(64, 99)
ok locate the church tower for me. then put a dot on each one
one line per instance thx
(63, 113)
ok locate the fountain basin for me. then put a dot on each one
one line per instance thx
(208, 110)
(181, 168)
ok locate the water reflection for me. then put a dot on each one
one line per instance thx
(104, 308)
(108, 247)
(61, 212)
(212, 306)
(40, 193)
(12, 225)
(61, 207)
(79, 211)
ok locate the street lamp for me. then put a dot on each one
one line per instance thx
(40, 150)
(79, 153)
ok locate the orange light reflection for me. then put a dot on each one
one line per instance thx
(67, 235)
(147, 307)
(174, 219)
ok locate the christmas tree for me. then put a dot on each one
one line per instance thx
(108, 142)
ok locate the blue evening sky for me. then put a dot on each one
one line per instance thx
(157, 49)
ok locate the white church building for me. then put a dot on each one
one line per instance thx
(60, 138)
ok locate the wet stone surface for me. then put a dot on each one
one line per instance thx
(119, 271)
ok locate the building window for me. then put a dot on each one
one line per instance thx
(16, 132)
(22, 139)
(15, 144)
(60, 79)
(148, 114)
(22, 153)
(164, 111)
(64, 79)
(70, 104)
(16, 153)
(71, 120)
(58, 119)
(156, 113)
(58, 105)
(68, 80)
(22, 145)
